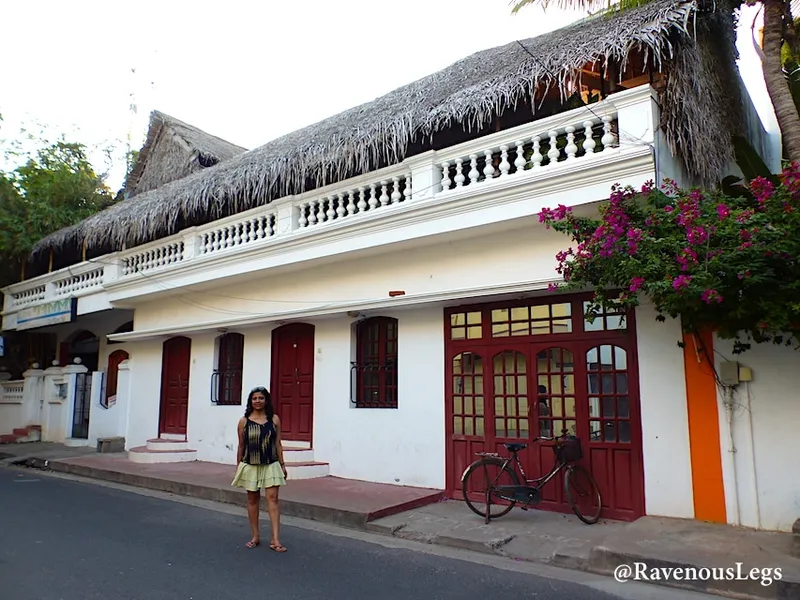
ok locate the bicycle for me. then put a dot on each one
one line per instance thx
(568, 451)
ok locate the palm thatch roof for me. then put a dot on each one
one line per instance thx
(174, 149)
(698, 108)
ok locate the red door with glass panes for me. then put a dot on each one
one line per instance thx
(519, 370)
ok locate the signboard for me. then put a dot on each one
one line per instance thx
(50, 313)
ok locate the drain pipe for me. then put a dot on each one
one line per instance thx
(753, 457)
(728, 402)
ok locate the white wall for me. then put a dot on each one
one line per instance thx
(766, 462)
(524, 254)
(665, 417)
(145, 393)
(405, 445)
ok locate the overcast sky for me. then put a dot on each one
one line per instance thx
(245, 71)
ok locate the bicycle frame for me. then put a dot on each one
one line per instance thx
(535, 484)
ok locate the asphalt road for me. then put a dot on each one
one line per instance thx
(68, 540)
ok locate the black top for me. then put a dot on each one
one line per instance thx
(259, 443)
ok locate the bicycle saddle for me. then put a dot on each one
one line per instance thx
(515, 447)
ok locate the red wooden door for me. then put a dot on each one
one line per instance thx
(536, 379)
(176, 356)
(293, 380)
(114, 359)
(467, 424)
(610, 424)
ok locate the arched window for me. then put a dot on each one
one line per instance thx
(376, 363)
(226, 382)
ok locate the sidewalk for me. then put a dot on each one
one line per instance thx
(423, 515)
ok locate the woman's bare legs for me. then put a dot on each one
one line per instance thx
(274, 518)
(253, 500)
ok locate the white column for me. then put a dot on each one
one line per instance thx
(32, 395)
(426, 176)
(51, 404)
(122, 405)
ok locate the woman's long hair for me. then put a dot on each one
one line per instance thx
(267, 405)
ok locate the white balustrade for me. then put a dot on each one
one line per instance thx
(29, 297)
(565, 137)
(82, 282)
(236, 233)
(524, 151)
(152, 258)
(357, 199)
(12, 391)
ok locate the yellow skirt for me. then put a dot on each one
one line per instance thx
(254, 477)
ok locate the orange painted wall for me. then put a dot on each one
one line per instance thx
(704, 435)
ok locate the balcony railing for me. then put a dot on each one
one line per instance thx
(532, 150)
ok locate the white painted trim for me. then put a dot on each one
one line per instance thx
(332, 309)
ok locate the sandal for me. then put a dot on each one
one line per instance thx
(252, 544)
(277, 547)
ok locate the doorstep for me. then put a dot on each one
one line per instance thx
(329, 499)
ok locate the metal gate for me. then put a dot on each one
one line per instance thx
(83, 396)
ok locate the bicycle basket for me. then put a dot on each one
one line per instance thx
(569, 450)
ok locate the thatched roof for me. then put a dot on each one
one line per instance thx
(174, 149)
(698, 110)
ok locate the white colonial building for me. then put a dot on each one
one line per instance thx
(385, 275)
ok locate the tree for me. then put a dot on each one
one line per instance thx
(780, 36)
(54, 187)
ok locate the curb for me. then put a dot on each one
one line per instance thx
(289, 508)
(604, 561)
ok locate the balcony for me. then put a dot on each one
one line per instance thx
(581, 149)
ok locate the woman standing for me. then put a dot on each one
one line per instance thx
(260, 462)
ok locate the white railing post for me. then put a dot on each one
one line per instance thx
(33, 396)
(426, 176)
(287, 218)
(112, 270)
(191, 244)
(636, 117)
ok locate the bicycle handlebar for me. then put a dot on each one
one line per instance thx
(563, 435)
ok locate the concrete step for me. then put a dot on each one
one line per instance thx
(294, 445)
(31, 433)
(165, 444)
(307, 470)
(77, 442)
(298, 455)
(143, 454)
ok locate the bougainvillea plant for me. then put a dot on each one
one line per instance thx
(728, 262)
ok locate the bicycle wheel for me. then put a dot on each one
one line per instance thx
(580, 486)
(493, 474)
